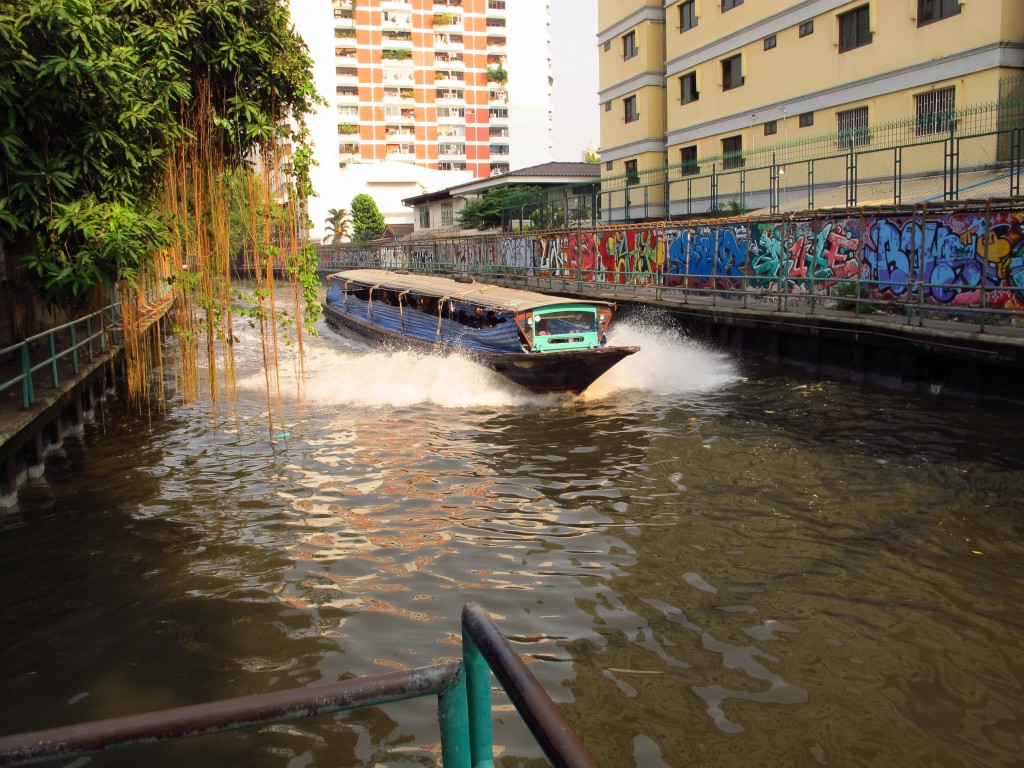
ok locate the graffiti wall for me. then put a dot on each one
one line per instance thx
(953, 259)
(942, 259)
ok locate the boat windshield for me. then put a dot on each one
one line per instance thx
(562, 328)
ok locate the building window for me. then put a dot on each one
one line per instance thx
(609, 165)
(732, 72)
(607, 106)
(854, 29)
(806, 119)
(853, 128)
(689, 167)
(632, 174)
(688, 88)
(807, 28)
(771, 128)
(607, 45)
(447, 215)
(732, 152)
(629, 105)
(687, 15)
(424, 218)
(936, 111)
(629, 49)
(769, 42)
(935, 10)
(728, 5)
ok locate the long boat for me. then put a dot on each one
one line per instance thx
(543, 343)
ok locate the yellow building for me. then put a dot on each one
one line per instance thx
(696, 83)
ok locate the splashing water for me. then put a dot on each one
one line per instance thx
(345, 372)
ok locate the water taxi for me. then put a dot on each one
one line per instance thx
(543, 343)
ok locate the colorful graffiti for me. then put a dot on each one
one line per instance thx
(941, 259)
(957, 260)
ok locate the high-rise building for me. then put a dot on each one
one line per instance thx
(451, 89)
(689, 83)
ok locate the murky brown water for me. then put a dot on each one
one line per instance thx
(706, 564)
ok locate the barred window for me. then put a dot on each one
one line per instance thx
(688, 156)
(935, 111)
(732, 151)
(853, 128)
(447, 214)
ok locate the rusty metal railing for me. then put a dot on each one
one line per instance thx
(463, 691)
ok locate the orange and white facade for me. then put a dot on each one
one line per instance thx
(451, 89)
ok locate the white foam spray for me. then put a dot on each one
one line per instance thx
(341, 371)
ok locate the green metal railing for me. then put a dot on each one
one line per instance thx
(86, 335)
(463, 691)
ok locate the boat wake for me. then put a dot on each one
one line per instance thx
(344, 371)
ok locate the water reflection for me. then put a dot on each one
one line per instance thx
(703, 564)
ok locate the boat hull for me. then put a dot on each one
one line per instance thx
(569, 371)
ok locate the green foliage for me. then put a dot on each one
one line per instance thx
(367, 220)
(497, 74)
(396, 53)
(443, 19)
(339, 223)
(95, 95)
(485, 211)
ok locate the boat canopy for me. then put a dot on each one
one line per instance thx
(472, 293)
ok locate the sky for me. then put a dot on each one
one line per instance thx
(574, 69)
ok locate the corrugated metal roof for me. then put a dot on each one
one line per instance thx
(484, 294)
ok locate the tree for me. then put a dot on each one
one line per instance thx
(367, 220)
(486, 211)
(339, 222)
(102, 98)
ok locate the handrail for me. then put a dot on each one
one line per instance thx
(246, 711)
(463, 690)
(53, 354)
(483, 646)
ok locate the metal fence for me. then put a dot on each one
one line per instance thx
(974, 152)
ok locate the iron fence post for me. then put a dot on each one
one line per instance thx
(28, 395)
(454, 719)
(74, 350)
(478, 693)
(53, 359)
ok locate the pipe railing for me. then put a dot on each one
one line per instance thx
(463, 691)
(45, 350)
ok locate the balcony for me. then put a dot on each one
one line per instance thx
(495, 42)
(447, 76)
(400, 131)
(497, 96)
(392, 94)
(448, 42)
(451, 114)
(396, 5)
(395, 114)
(451, 150)
(401, 150)
(399, 77)
(347, 94)
(347, 75)
(348, 148)
(497, 169)
(393, 20)
(447, 22)
(451, 131)
(345, 56)
(499, 149)
(449, 95)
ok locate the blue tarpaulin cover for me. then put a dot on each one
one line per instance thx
(503, 337)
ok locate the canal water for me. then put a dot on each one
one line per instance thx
(705, 562)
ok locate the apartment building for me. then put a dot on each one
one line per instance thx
(692, 81)
(459, 86)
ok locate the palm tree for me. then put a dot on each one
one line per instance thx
(339, 222)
